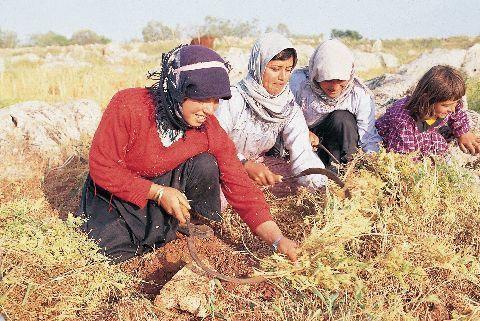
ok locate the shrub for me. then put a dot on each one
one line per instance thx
(49, 39)
(86, 37)
(157, 31)
(8, 39)
(337, 33)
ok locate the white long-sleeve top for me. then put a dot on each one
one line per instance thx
(253, 136)
(360, 103)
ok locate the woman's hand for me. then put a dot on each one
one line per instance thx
(270, 233)
(469, 143)
(289, 248)
(172, 201)
(314, 140)
(261, 174)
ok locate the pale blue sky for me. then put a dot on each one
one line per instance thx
(124, 19)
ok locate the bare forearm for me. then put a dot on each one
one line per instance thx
(268, 231)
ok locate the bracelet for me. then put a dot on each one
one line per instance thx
(158, 194)
(276, 242)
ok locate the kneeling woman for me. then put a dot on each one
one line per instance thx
(263, 108)
(338, 107)
(159, 152)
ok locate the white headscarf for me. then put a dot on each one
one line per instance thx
(332, 60)
(268, 107)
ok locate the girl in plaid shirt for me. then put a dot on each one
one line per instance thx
(430, 118)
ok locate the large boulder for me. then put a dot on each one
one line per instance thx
(49, 131)
(390, 87)
(365, 61)
(451, 57)
(471, 64)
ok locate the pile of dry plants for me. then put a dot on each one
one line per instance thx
(405, 246)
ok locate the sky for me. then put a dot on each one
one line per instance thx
(123, 20)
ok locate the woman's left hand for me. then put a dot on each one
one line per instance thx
(469, 143)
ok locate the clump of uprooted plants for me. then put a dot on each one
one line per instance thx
(405, 246)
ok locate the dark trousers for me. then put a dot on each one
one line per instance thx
(123, 230)
(338, 132)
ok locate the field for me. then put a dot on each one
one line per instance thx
(405, 246)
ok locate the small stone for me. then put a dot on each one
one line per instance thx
(186, 291)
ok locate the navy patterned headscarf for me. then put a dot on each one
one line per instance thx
(188, 71)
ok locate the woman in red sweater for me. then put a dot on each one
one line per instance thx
(159, 152)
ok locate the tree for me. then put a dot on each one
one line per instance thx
(155, 31)
(49, 39)
(337, 33)
(86, 37)
(223, 27)
(283, 29)
(8, 39)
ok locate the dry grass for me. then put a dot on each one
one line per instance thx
(49, 270)
(406, 246)
(25, 80)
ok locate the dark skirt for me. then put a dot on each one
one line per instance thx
(123, 230)
(338, 132)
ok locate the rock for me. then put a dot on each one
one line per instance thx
(377, 45)
(418, 67)
(474, 120)
(114, 53)
(186, 291)
(50, 131)
(471, 64)
(28, 57)
(412, 52)
(389, 61)
(374, 60)
(390, 87)
(304, 53)
(366, 60)
(63, 60)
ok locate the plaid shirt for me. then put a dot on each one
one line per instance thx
(401, 133)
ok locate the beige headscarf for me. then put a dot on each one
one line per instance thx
(268, 107)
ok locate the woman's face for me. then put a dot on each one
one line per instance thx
(276, 75)
(334, 87)
(443, 108)
(195, 112)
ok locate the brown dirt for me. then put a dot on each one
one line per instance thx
(62, 185)
(158, 267)
(62, 188)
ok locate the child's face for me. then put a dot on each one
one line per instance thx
(443, 108)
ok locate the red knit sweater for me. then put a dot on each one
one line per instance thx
(126, 151)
